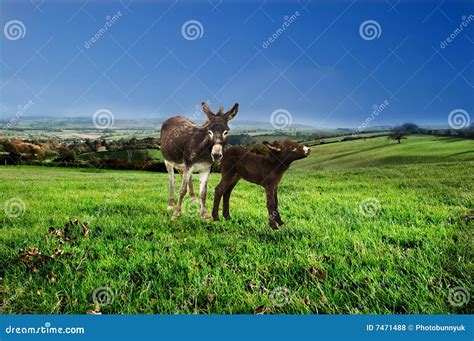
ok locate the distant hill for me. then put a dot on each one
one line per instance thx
(380, 151)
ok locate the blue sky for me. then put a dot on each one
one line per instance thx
(320, 68)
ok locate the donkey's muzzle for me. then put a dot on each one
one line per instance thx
(216, 156)
(216, 152)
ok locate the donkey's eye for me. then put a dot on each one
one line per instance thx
(211, 134)
(225, 133)
(294, 149)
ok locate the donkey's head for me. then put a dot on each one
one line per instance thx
(287, 151)
(217, 128)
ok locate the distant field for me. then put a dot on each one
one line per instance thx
(125, 155)
(380, 151)
(372, 227)
(341, 137)
(81, 134)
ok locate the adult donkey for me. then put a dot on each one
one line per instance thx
(190, 148)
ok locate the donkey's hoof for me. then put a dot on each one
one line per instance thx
(194, 200)
(175, 216)
(273, 226)
(170, 208)
(216, 218)
(227, 217)
(206, 216)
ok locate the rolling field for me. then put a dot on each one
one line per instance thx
(380, 152)
(371, 227)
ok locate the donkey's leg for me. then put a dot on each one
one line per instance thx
(218, 192)
(182, 192)
(170, 169)
(228, 192)
(270, 191)
(191, 190)
(203, 191)
(277, 212)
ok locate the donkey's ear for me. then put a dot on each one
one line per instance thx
(272, 146)
(232, 112)
(207, 110)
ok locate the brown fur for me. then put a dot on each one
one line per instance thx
(263, 170)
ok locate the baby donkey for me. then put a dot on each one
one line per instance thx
(264, 170)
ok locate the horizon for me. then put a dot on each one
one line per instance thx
(261, 123)
(332, 65)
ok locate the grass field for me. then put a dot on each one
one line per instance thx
(372, 227)
(125, 155)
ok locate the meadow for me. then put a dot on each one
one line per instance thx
(372, 227)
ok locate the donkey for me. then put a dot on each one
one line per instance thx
(190, 148)
(264, 170)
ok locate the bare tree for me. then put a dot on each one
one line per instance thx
(401, 132)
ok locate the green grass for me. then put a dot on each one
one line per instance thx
(330, 258)
(381, 151)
